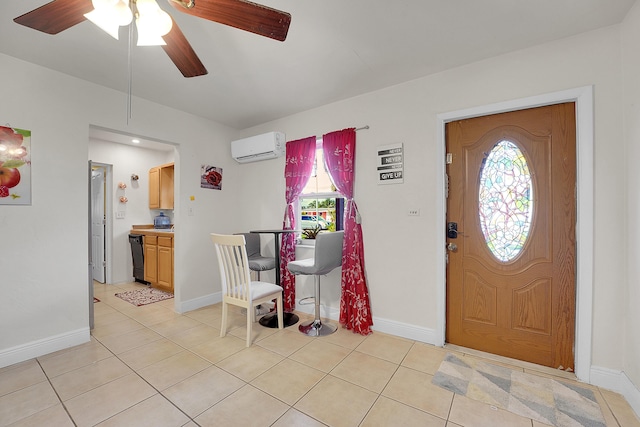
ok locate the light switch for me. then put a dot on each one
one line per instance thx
(120, 215)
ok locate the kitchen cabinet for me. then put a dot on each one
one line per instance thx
(165, 264)
(151, 259)
(161, 186)
(158, 259)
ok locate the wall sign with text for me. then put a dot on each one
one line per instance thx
(390, 164)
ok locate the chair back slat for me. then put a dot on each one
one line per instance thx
(234, 267)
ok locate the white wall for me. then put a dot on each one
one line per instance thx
(43, 259)
(127, 160)
(44, 269)
(631, 69)
(400, 251)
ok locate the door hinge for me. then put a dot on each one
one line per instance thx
(449, 159)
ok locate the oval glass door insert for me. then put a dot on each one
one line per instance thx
(505, 200)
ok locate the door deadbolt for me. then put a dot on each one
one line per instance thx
(452, 230)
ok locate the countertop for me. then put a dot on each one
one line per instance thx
(148, 229)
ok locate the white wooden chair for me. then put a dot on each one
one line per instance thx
(237, 287)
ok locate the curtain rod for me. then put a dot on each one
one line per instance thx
(319, 138)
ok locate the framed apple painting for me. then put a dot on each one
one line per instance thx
(15, 166)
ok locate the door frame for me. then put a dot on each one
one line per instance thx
(583, 97)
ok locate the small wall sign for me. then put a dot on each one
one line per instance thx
(390, 164)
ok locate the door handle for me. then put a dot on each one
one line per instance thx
(452, 247)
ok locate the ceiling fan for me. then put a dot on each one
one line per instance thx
(60, 15)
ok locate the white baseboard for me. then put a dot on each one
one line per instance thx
(619, 382)
(199, 302)
(405, 330)
(391, 327)
(43, 346)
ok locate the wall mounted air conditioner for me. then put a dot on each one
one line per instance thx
(260, 147)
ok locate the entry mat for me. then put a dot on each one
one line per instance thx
(540, 398)
(144, 296)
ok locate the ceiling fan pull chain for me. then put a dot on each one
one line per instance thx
(130, 66)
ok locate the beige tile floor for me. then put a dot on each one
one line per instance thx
(148, 366)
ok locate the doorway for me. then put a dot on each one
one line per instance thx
(511, 215)
(583, 97)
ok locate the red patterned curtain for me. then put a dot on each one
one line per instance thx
(299, 164)
(339, 150)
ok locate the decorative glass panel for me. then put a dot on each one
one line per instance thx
(505, 200)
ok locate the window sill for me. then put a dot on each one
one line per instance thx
(304, 244)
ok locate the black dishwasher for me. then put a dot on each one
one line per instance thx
(137, 254)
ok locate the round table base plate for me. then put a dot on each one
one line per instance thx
(316, 328)
(271, 320)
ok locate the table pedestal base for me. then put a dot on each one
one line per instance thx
(271, 320)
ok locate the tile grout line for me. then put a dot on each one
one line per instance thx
(140, 376)
(56, 392)
(326, 374)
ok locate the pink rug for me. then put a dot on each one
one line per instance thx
(144, 296)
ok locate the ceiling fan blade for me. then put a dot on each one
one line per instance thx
(241, 14)
(56, 16)
(182, 54)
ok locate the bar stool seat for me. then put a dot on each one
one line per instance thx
(327, 257)
(257, 262)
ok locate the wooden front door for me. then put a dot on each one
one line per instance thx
(511, 214)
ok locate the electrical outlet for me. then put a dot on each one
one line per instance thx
(120, 215)
(414, 212)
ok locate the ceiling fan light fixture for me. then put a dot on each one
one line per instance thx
(146, 6)
(123, 13)
(147, 34)
(152, 23)
(156, 19)
(100, 4)
(109, 15)
(104, 22)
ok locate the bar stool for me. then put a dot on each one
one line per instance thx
(328, 256)
(257, 262)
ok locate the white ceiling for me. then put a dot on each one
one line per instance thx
(335, 49)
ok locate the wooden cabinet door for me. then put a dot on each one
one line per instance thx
(154, 188)
(165, 263)
(150, 259)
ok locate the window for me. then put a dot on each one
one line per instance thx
(320, 205)
(505, 194)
